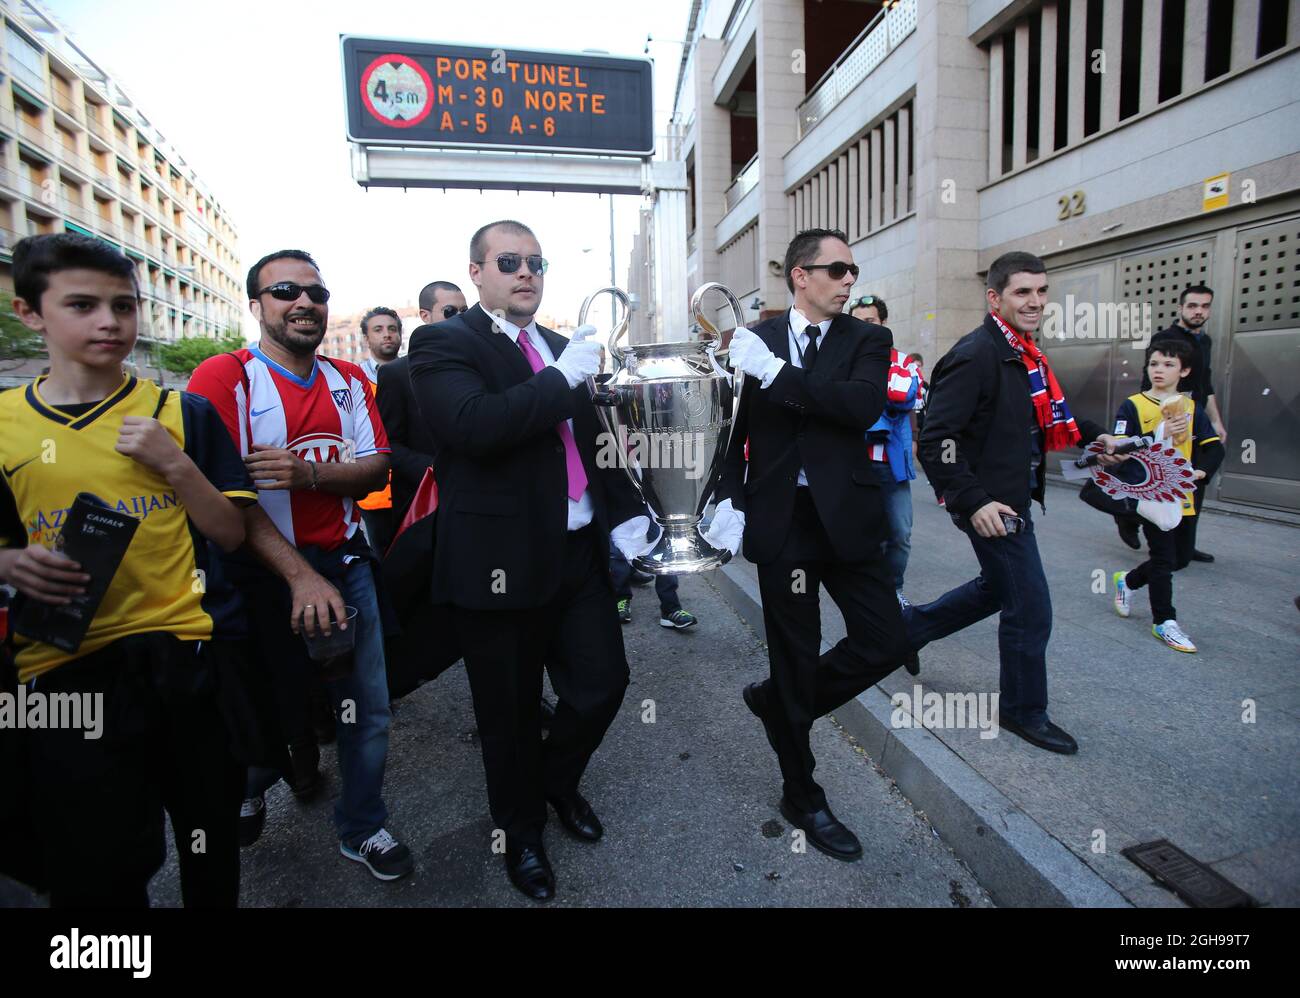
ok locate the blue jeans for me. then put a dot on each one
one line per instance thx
(363, 738)
(620, 578)
(1011, 579)
(361, 707)
(898, 512)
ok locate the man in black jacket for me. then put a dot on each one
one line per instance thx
(522, 541)
(808, 505)
(995, 413)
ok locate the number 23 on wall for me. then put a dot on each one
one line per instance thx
(1070, 204)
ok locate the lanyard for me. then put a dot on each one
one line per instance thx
(794, 338)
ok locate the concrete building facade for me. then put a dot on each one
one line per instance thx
(77, 155)
(1138, 146)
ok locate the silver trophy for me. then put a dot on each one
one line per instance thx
(668, 411)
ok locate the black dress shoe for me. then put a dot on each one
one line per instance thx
(1202, 556)
(912, 663)
(548, 714)
(531, 872)
(577, 817)
(1046, 736)
(757, 704)
(1128, 532)
(824, 832)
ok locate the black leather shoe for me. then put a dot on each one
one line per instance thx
(912, 663)
(548, 714)
(304, 777)
(1202, 556)
(531, 872)
(757, 704)
(1128, 532)
(1046, 736)
(577, 817)
(824, 832)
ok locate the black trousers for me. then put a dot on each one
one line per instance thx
(97, 804)
(577, 638)
(1158, 570)
(805, 684)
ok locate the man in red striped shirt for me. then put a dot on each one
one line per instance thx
(311, 436)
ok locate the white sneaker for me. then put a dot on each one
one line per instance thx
(1171, 634)
(1123, 595)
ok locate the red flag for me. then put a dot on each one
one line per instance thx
(423, 504)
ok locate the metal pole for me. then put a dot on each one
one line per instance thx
(613, 278)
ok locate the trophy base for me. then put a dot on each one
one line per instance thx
(681, 551)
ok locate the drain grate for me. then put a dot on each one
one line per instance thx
(1189, 878)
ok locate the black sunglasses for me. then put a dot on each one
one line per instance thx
(834, 270)
(508, 263)
(449, 310)
(863, 301)
(288, 291)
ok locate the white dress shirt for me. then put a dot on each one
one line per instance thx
(581, 510)
(797, 330)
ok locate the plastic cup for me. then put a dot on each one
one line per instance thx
(334, 650)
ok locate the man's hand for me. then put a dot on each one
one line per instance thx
(1110, 457)
(987, 520)
(314, 601)
(42, 574)
(581, 358)
(1222, 431)
(275, 468)
(750, 354)
(629, 537)
(727, 529)
(146, 441)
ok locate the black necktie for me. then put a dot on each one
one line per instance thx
(810, 355)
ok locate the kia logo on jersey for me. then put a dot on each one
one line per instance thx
(323, 448)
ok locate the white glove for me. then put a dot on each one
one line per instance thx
(750, 354)
(580, 358)
(629, 537)
(727, 529)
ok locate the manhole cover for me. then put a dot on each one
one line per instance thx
(1189, 878)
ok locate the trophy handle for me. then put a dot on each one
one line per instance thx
(738, 377)
(616, 353)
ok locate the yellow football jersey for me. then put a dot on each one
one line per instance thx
(48, 454)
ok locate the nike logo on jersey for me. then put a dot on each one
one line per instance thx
(10, 472)
(261, 412)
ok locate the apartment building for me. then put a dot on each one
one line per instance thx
(78, 155)
(1136, 145)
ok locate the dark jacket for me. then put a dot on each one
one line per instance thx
(976, 446)
(409, 437)
(1198, 383)
(815, 420)
(500, 466)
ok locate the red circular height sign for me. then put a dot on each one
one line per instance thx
(397, 91)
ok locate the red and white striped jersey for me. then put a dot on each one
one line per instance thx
(898, 383)
(329, 417)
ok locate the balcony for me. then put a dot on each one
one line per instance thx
(98, 130)
(31, 79)
(880, 37)
(38, 137)
(64, 102)
(746, 180)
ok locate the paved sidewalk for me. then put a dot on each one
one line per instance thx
(689, 803)
(1166, 746)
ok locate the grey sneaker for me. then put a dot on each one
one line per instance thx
(678, 619)
(385, 857)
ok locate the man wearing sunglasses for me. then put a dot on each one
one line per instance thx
(441, 300)
(808, 507)
(313, 441)
(521, 549)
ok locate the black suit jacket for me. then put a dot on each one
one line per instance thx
(816, 420)
(502, 479)
(412, 443)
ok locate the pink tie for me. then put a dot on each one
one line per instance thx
(577, 476)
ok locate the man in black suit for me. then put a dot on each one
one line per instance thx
(809, 507)
(522, 541)
(408, 435)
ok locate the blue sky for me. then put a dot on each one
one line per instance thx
(251, 96)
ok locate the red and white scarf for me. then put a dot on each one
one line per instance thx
(1050, 408)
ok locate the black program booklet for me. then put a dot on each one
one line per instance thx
(96, 537)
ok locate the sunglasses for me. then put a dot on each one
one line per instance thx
(863, 301)
(508, 263)
(449, 310)
(288, 291)
(834, 270)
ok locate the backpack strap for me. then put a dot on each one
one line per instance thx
(162, 401)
